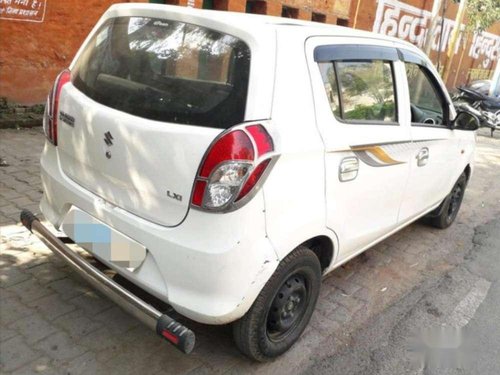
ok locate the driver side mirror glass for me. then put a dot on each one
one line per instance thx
(466, 121)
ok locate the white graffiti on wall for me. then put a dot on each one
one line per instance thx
(485, 44)
(23, 10)
(398, 19)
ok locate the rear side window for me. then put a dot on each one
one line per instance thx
(360, 91)
(167, 71)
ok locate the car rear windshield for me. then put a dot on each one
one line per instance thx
(166, 70)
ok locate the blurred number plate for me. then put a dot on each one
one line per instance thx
(103, 241)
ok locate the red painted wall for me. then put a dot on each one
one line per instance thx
(33, 53)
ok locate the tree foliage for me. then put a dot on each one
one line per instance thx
(481, 14)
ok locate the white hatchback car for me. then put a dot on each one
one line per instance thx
(225, 162)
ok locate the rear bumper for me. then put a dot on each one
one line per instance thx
(174, 332)
(209, 269)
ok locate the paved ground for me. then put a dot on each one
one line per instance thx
(464, 300)
(51, 322)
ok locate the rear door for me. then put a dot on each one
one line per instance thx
(435, 151)
(358, 114)
(147, 97)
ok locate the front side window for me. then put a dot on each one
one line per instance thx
(166, 70)
(360, 91)
(425, 102)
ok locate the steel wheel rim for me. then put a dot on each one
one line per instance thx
(456, 197)
(288, 307)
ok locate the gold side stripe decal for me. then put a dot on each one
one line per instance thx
(375, 155)
(382, 155)
(379, 153)
(364, 147)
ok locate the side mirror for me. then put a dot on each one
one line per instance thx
(466, 121)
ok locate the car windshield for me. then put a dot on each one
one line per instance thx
(166, 70)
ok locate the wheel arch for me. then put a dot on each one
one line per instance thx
(468, 172)
(324, 248)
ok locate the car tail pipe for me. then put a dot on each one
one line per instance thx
(165, 326)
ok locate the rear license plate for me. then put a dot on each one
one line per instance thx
(103, 241)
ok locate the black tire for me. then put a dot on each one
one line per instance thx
(279, 315)
(451, 205)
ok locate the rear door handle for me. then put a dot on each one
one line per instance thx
(423, 156)
(348, 169)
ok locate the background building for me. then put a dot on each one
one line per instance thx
(38, 38)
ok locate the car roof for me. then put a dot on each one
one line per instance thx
(249, 21)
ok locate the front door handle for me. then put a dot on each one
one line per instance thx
(348, 169)
(423, 156)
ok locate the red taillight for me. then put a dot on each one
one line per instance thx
(262, 139)
(233, 146)
(253, 178)
(232, 167)
(199, 190)
(52, 107)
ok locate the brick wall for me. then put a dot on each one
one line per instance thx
(34, 49)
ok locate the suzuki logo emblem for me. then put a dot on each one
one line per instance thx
(108, 139)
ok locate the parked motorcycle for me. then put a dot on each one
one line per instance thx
(473, 100)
